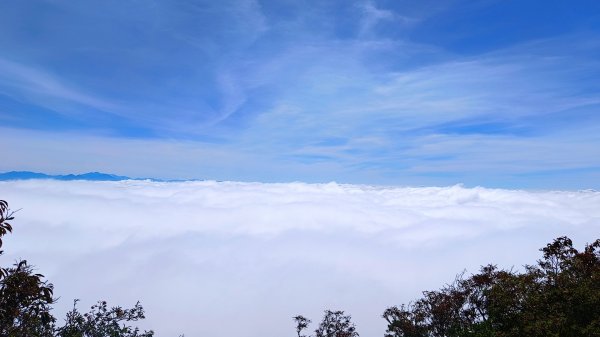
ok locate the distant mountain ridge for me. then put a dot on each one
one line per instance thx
(91, 176)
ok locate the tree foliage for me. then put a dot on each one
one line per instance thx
(26, 302)
(103, 321)
(333, 324)
(301, 324)
(5, 216)
(557, 297)
(25, 298)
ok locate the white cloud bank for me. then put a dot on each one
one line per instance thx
(240, 259)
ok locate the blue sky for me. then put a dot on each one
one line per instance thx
(492, 93)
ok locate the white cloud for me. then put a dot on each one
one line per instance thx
(489, 160)
(200, 255)
(29, 83)
(372, 15)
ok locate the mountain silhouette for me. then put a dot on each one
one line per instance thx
(91, 176)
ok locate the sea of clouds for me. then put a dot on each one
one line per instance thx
(219, 259)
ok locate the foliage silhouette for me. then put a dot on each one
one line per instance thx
(26, 299)
(334, 324)
(301, 324)
(558, 297)
(25, 303)
(103, 321)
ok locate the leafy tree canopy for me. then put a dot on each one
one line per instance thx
(557, 297)
(26, 302)
(334, 324)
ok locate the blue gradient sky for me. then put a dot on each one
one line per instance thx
(492, 93)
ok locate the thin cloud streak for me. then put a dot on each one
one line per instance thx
(45, 89)
(473, 159)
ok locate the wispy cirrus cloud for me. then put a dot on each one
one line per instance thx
(348, 86)
(24, 82)
(156, 69)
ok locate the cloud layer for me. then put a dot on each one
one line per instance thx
(225, 258)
